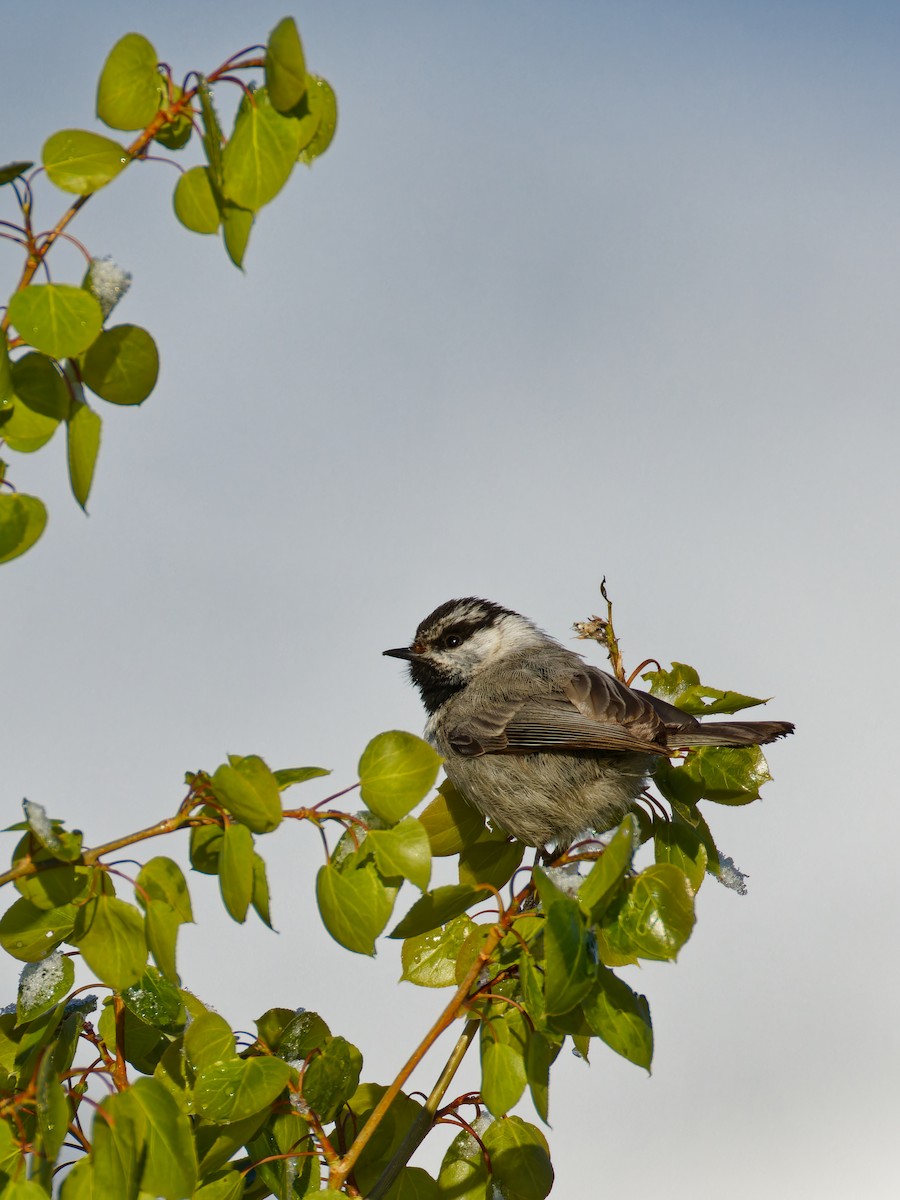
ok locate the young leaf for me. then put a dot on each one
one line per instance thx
(451, 822)
(161, 878)
(331, 1078)
(130, 88)
(208, 1040)
(81, 162)
(261, 153)
(602, 881)
(110, 935)
(403, 850)
(30, 934)
(396, 771)
(195, 203)
(490, 861)
(436, 908)
(228, 1091)
(13, 170)
(236, 870)
(676, 842)
(464, 1173)
(22, 521)
(288, 776)
(504, 1043)
(285, 66)
(323, 108)
(42, 985)
(82, 447)
(248, 790)
(655, 917)
(682, 687)
(122, 365)
(260, 895)
(155, 1001)
(56, 318)
(237, 223)
(355, 907)
(39, 385)
(620, 1017)
(570, 964)
(429, 959)
(520, 1159)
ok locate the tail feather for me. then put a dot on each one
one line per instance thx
(726, 733)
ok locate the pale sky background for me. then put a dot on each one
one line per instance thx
(579, 289)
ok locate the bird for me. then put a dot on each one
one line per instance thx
(544, 744)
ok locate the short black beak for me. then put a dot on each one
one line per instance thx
(401, 652)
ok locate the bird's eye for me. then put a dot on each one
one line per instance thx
(452, 641)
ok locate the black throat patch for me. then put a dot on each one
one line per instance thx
(435, 688)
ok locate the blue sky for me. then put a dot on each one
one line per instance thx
(579, 289)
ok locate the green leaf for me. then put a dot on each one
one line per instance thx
(56, 318)
(451, 822)
(237, 223)
(539, 1058)
(55, 883)
(414, 1183)
(504, 1043)
(212, 131)
(676, 842)
(119, 1147)
(323, 108)
(236, 870)
(249, 791)
(682, 687)
(110, 935)
(260, 895)
(79, 1182)
(396, 771)
(729, 775)
(161, 878)
(570, 963)
(209, 1040)
(39, 385)
(464, 1173)
(437, 908)
(261, 153)
(331, 1078)
(22, 521)
(142, 1045)
(520, 1159)
(620, 1017)
(161, 925)
(155, 1001)
(299, 1036)
(283, 1134)
(285, 66)
(224, 1185)
(130, 89)
(429, 959)
(195, 203)
(6, 379)
(490, 861)
(229, 1091)
(42, 985)
(81, 162)
(122, 365)
(655, 917)
(603, 880)
(355, 907)
(170, 1164)
(206, 846)
(82, 447)
(174, 134)
(13, 170)
(30, 934)
(288, 776)
(403, 850)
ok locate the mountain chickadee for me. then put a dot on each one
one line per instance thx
(535, 738)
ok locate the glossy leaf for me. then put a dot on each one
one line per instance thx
(249, 791)
(130, 88)
(676, 842)
(118, 1147)
(620, 1017)
(161, 878)
(229, 1091)
(227, 1184)
(81, 162)
(451, 822)
(569, 952)
(170, 1163)
(260, 154)
(437, 908)
(208, 1040)
(331, 1077)
(303, 1033)
(414, 1183)
(42, 985)
(195, 203)
(464, 1173)
(403, 850)
(285, 66)
(29, 933)
(323, 108)
(82, 447)
(177, 133)
(682, 687)
(504, 1043)
(281, 1136)
(355, 906)
(22, 521)
(122, 365)
(429, 959)
(38, 384)
(656, 916)
(396, 771)
(520, 1159)
(539, 1058)
(56, 318)
(603, 880)
(236, 870)
(155, 1001)
(110, 935)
